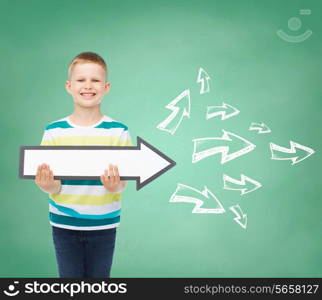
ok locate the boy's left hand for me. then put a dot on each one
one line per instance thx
(111, 179)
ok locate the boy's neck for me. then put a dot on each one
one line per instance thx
(85, 117)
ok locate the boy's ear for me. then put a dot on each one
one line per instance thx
(67, 85)
(107, 86)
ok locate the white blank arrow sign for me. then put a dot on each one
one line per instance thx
(142, 163)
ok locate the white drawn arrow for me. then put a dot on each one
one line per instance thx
(226, 111)
(180, 107)
(142, 163)
(204, 147)
(301, 152)
(185, 193)
(245, 185)
(261, 127)
(203, 79)
(241, 218)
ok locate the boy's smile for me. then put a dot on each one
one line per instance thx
(87, 84)
(88, 95)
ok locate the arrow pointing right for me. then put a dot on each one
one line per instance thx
(296, 153)
(142, 163)
(185, 193)
(261, 127)
(225, 111)
(245, 185)
(204, 147)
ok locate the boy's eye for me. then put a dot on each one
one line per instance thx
(94, 80)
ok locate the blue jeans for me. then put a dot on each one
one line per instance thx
(84, 253)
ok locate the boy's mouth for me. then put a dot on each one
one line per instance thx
(88, 95)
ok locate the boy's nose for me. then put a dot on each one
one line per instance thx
(88, 84)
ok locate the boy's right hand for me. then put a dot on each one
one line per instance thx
(45, 180)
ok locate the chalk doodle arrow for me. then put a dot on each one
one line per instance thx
(260, 127)
(245, 185)
(180, 107)
(142, 163)
(296, 153)
(185, 193)
(204, 147)
(226, 111)
(241, 218)
(203, 79)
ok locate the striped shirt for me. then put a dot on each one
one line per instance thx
(85, 204)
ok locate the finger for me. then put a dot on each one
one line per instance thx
(51, 175)
(116, 174)
(41, 173)
(102, 177)
(106, 176)
(111, 174)
(37, 174)
(38, 170)
(46, 173)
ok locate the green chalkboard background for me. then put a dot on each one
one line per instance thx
(154, 50)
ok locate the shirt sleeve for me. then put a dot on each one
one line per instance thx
(125, 138)
(47, 139)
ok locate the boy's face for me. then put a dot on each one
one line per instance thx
(87, 84)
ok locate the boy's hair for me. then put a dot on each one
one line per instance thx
(87, 57)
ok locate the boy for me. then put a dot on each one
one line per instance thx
(84, 214)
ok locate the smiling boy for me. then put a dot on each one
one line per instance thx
(84, 214)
